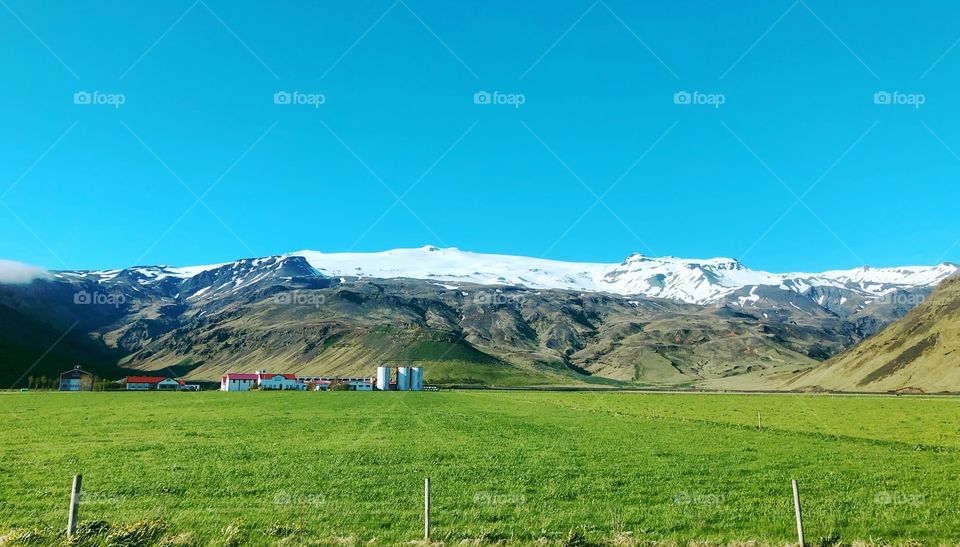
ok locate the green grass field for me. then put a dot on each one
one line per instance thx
(515, 467)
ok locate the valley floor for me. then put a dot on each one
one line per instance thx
(518, 467)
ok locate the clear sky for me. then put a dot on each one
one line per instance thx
(785, 160)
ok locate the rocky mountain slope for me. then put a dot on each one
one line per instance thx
(475, 318)
(918, 353)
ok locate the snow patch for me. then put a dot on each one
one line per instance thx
(698, 281)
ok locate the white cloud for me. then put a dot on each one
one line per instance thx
(18, 272)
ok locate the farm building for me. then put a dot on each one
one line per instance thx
(360, 385)
(76, 380)
(412, 378)
(267, 380)
(326, 383)
(235, 381)
(238, 381)
(335, 379)
(319, 385)
(156, 383)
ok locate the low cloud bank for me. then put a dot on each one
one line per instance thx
(18, 272)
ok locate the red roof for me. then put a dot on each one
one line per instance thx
(264, 376)
(239, 376)
(268, 376)
(145, 379)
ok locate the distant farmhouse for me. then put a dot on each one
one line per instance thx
(327, 383)
(236, 381)
(278, 381)
(156, 383)
(76, 380)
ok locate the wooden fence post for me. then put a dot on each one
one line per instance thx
(796, 509)
(74, 505)
(426, 509)
(759, 422)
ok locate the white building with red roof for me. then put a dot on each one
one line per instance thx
(147, 383)
(267, 380)
(237, 381)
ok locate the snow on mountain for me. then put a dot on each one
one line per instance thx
(694, 281)
(880, 280)
(687, 280)
(433, 263)
(232, 277)
(142, 274)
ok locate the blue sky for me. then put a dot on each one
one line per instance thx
(797, 169)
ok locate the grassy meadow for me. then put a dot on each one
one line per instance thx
(511, 467)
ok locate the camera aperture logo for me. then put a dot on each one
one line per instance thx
(515, 100)
(95, 298)
(884, 98)
(699, 99)
(299, 98)
(96, 98)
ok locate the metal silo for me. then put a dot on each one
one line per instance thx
(403, 378)
(383, 378)
(416, 379)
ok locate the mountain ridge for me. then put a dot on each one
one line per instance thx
(675, 322)
(698, 281)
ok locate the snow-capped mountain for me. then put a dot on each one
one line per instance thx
(686, 280)
(692, 281)
(683, 320)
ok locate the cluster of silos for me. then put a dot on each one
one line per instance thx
(408, 379)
